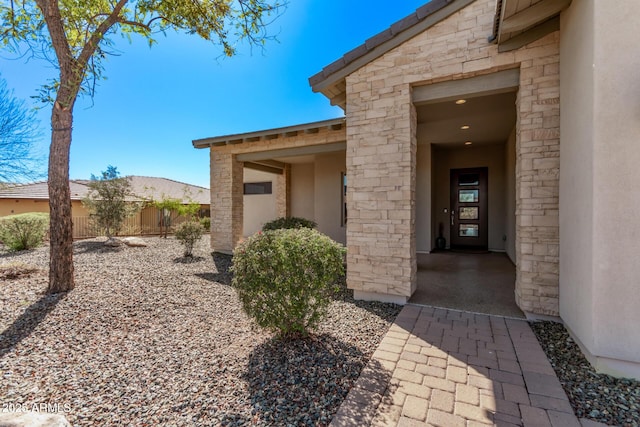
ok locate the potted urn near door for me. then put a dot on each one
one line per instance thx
(441, 242)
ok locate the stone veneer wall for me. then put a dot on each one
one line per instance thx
(283, 192)
(381, 154)
(227, 194)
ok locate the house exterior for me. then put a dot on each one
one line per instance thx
(510, 125)
(34, 197)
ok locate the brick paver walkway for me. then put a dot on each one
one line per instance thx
(452, 368)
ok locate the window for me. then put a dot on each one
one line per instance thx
(343, 199)
(257, 188)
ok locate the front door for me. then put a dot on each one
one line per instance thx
(469, 228)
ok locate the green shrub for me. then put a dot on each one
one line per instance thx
(205, 222)
(189, 232)
(289, 222)
(24, 231)
(286, 278)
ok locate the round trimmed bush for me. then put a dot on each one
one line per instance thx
(286, 278)
(24, 231)
(289, 222)
(205, 222)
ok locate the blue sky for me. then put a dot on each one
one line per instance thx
(156, 100)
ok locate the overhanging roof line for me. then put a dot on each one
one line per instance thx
(306, 150)
(268, 134)
(376, 46)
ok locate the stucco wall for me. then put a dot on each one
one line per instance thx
(490, 156)
(327, 171)
(259, 208)
(19, 206)
(599, 270)
(302, 190)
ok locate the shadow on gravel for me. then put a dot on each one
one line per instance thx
(24, 325)
(222, 274)
(188, 259)
(301, 382)
(85, 247)
(386, 311)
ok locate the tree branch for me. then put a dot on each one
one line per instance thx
(89, 49)
(59, 40)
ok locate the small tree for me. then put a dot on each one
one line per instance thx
(188, 233)
(107, 201)
(166, 206)
(75, 37)
(18, 135)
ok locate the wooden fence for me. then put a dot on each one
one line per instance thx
(145, 222)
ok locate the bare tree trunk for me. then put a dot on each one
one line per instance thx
(61, 228)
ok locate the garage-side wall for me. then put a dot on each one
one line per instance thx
(381, 153)
(227, 180)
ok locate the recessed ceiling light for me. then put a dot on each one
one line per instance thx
(461, 101)
(465, 127)
(468, 143)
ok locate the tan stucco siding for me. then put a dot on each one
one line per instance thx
(19, 206)
(258, 208)
(328, 169)
(381, 145)
(599, 296)
(302, 190)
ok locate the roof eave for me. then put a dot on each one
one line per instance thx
(514, 28)
(268, 134)
(332, 77)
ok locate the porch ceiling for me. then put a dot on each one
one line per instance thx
(490, 119)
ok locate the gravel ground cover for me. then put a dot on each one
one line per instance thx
(149, 338)
(598, 397)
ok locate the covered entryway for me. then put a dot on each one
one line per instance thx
(465, 194)
(479, 283)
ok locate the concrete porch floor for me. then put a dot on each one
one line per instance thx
(479, 283)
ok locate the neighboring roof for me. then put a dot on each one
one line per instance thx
(157, 188)
(40, 191)
(330, 81)
(144, 187)
(269, 134)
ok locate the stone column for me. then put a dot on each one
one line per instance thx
(283, 190)
(381, 171)
(226, 201)
(537, 184)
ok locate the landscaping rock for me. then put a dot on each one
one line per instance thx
(135, 242)
(143, 340)
(113, 242)
(595, 396)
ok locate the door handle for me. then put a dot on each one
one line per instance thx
(453, 216)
